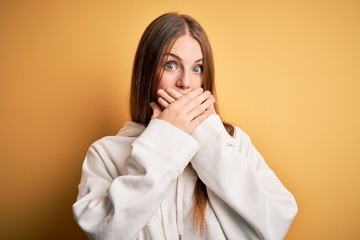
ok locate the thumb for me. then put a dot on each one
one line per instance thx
(156, 110)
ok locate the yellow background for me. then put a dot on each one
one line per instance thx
(288, 73)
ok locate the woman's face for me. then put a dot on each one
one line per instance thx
(183, 67)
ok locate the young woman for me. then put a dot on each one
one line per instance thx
(176, 171)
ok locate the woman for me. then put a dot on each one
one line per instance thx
(176, 170)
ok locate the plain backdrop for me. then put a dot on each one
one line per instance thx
(288, 73)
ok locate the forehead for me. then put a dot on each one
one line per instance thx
(187, 46)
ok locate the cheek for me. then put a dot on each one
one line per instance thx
(197, 82)
(168, 79)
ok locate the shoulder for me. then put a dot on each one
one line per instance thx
(111, 143)
(123, 139)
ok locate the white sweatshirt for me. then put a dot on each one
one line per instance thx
(138, 185)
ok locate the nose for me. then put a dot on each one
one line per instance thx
(184, 80)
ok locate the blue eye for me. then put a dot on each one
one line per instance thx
(170, 66)
(198, 69)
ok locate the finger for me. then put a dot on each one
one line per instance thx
(188, 97)
(202, 108)
(163, 103)
(202, 117)
(156, 110)
(173, 93)
(162, 94)
(197, 101)
(199, 119)
(211, 109)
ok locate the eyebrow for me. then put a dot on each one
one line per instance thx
(179, 58)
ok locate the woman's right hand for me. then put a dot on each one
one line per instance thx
(187, 111)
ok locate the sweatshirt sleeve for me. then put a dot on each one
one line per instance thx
(243, 191)
(118, 207)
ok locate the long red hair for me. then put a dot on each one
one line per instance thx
(157, 39)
